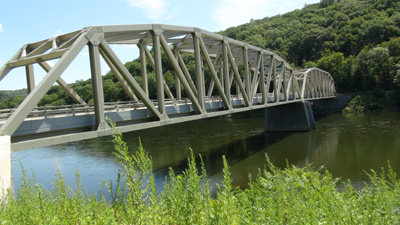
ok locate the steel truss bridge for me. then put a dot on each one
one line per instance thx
(243, 78)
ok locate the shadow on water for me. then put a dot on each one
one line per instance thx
(235, 153)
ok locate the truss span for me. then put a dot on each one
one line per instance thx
(241, 77)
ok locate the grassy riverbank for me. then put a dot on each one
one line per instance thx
(276, 196)
(377, 100)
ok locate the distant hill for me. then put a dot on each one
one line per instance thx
(357, 41)
(11, 99)
(346, 26)
(10, 94)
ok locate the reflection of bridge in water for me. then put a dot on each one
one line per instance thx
(243, 78)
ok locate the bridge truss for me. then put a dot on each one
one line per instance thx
(243, 77)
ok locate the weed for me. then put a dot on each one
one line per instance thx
(291, 195)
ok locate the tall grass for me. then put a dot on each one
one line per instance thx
(276, 196)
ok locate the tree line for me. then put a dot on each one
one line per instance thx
(357, 41)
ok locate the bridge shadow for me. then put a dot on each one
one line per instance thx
(235, 153)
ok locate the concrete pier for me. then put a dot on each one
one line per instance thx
(5, 165)
(290, 117)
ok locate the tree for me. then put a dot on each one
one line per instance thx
(325, 3)
(375, 67)
(339, 67)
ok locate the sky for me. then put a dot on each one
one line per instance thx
(28, 21)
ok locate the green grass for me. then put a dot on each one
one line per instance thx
(276, 196)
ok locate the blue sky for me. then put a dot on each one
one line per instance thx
(27, 21)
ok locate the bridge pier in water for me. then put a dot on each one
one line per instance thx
(5, 165)
(290, 117)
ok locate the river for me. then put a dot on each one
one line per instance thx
(346, 145)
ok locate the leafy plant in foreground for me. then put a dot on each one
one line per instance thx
(290, 195)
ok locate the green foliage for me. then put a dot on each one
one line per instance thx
(376, 100)
(339, 67)
(277, 196)
(357, 41)
(344, 37)
(325, 3)
(396, 99)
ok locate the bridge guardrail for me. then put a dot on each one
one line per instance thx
(75, 109)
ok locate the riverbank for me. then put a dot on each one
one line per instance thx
(276, 196)
(373, 101)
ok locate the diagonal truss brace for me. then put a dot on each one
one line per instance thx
(128, 77)
(63, 84)
(15, 120)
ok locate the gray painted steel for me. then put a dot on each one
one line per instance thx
(215, 56)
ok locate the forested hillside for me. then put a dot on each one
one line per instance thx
(357, 41)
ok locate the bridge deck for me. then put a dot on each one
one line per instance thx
(65, 125)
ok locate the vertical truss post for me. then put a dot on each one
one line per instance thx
(326, 85)
(239, 83)
(221, 77)
(247, 72)
(199, 68)
(256, 79)
(152, 63)
(269, 78)
(177, 80)
(30, 78)
(178, 70)
(312, 84)
(97, 86)
(156, 33)
(275, 83)
(143, 68)
(226, 70)
(304, 86)
(262, 82)
(323, 84)
(214, 75)
(293, 84)
(280, 80)
(237, 89)
(284, 80)
(5, 167)
(290, 89)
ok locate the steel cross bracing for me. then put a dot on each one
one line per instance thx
(259, 79)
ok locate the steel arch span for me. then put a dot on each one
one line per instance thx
(243, 77)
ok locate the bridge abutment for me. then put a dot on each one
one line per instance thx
(290, 117)
(5, 165)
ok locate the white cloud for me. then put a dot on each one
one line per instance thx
(1, 28)
(50, 63)
(128, 46)
(58, 33)
(152, 9)
(230, 13)
(84, 53)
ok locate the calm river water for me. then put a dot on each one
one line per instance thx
(346, 145)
